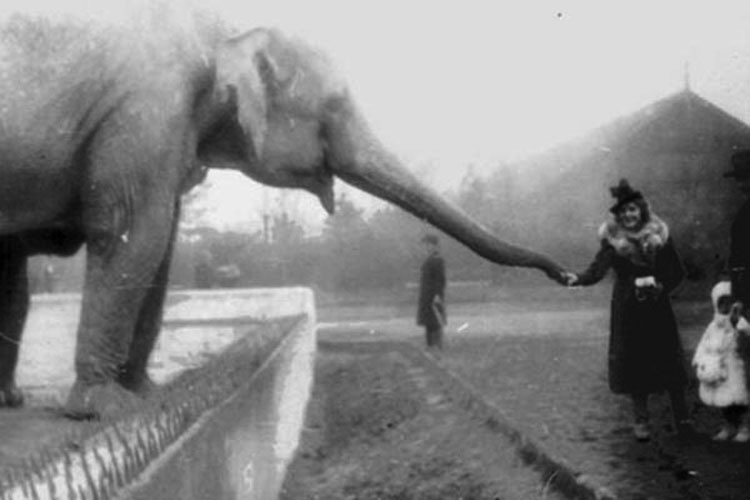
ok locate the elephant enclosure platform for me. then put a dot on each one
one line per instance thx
(228, 364)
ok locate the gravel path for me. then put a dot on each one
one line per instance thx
(380, 427)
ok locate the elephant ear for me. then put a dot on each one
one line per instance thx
(243, 73)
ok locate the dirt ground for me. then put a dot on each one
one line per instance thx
(375, 431)
(378, 427)
(565, 405)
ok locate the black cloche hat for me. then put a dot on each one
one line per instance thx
(624, 193)
(740, 164)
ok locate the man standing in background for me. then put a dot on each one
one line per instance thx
(739, 251)
(431, 308)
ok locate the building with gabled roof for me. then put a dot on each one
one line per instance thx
(674, 150)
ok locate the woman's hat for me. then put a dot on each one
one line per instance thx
(624, 193)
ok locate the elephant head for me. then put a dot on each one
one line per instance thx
(293, 123)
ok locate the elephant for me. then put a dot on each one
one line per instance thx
(103, 129)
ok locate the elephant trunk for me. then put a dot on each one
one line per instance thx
(360, 160)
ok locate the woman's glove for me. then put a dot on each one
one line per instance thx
(647, 288)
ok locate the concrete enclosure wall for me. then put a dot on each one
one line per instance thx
(237, 370)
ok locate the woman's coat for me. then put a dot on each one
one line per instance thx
(645, 352)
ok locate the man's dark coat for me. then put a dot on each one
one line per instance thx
(739, 256)
(739, 272)
(431, 284)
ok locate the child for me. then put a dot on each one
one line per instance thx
(720, 370)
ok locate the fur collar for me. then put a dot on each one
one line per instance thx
(638, 246)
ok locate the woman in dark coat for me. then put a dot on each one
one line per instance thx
(645, 352)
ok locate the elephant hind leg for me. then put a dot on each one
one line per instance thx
(14, 307)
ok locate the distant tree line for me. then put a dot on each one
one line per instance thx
(354, 250)
(381, 250)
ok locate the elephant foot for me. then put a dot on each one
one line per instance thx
(10, 396)
(140, 384)
(100, 401)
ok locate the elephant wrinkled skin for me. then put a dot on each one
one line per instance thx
(102, 128)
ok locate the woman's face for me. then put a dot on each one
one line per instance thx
(630, 216)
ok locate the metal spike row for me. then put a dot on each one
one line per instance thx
(102, 488)
(9, 479)
(151, 446)
(119, 435)
(139, 454)
(27, 470)
(130, 467)
(153, 443)
(144, 441)
(161, 442)
(53, 460)
(112, 478)
(160, 431)
(99, 458)
(117, 472)
(133, 464)
(180, 416)
(140, 444)
(181, 419)
(34, 492)
(112, 482)
(193, 404)
(110, 445)
(75, 440)
(87, 472)
(42, 466)
(25, 488)
(165, 429)
(123, 470)
(173, 425)
(104, 468)
(37, 468)
(171, 421)
(67, 466)
(51, 487)
(66, 445)
(202, 402)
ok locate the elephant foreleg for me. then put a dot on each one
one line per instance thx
(14, 306)
(120, 274)
(134, 375)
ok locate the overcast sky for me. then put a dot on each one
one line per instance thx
(471, 82)
(448, 84)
